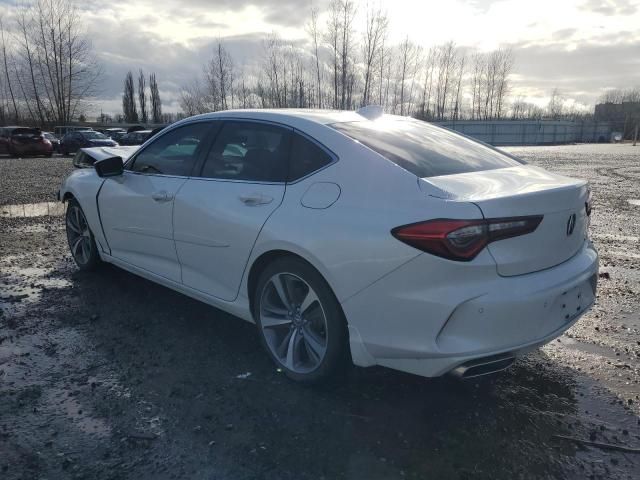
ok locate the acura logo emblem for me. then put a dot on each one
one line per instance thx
(571, 224)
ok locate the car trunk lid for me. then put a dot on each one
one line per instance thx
(27, 136)
(522, 191)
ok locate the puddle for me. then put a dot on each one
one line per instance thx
(39, 228)
(23, 286)
(27, 210)
(617, 253)
(613, 236)
(589, 348)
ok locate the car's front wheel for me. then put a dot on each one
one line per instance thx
(300, 322)
(81, 242)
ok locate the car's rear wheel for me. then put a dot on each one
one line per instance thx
(81, 242)
(299, 320)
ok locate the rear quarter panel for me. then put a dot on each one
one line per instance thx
(350, 242)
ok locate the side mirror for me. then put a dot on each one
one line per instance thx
(109, 167)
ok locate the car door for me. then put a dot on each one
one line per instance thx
(72, 142)
(219, 213)
(136, 207)
(4, 140)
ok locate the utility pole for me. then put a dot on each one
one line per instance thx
(635, 136)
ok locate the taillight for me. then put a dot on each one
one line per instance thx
(463, 239)
(588, 205)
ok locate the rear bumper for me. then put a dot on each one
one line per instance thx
(408, 322)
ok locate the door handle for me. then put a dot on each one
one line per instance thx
(255, 199)
(161, 196)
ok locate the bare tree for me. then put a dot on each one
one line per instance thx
(477, 80)
(314, 33)
(505, 58)
(618, 95)
(128, 100)
(490, 83)
(270, 86)
(555, 107)
(425, 109)
(58, 71)
(407, 55)
(193, 99)
(333, 40)
(348, 11)
(446, 60)
(522, 110)
(457, 100)
(373, 39)
(219, 75)
(339, 38)
(142, 97)
(7, 75)
(25, 21)
(156, 103)
(442, 82)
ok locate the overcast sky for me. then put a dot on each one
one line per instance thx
(580, 46)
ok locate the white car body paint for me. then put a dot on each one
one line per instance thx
(100, 153)
(405, 309)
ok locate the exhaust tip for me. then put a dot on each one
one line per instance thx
(483, 366)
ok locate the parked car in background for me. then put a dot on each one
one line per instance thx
(21, 141)
(135, 138)
(55, 141)
(402, 243)
(73, 141)
(61, 131)
(114, 133)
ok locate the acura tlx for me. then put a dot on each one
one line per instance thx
(345, 236)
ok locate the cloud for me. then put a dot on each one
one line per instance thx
(611, 7)
(579, 46)
(582, 73)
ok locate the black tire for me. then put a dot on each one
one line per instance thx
(336, 352)
(88, 258)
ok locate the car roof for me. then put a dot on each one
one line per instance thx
(287, 115)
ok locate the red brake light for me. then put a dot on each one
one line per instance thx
(463, 239)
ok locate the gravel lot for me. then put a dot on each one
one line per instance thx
(108, 376)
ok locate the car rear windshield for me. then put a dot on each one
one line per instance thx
(26, 132)
(94, 135)
(423, 149)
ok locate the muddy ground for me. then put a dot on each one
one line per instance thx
(109, 376)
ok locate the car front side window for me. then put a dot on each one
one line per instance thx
(174, 153)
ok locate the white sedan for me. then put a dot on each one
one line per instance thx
(346, 236)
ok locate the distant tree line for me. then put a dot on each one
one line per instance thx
(48, 71)
(621, 95)
(343, 69)
(148, 113)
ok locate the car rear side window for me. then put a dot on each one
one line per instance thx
(174, 153)
(249, 151)
(306, 157)
(423, 149)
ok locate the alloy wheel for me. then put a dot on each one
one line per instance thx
(79, 235)
(293, 322)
